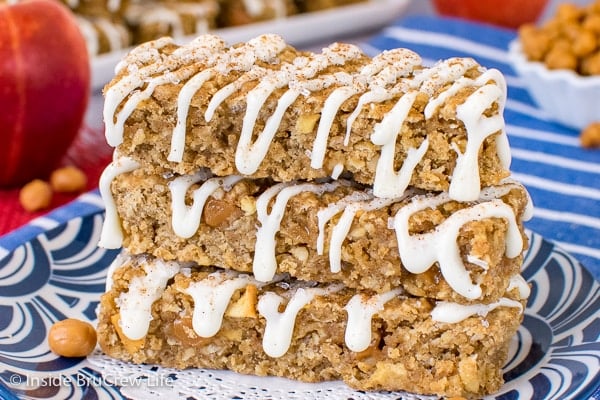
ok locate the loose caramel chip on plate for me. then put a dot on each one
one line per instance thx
(72, 338)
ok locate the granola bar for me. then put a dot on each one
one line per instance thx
(331, 232)
(184, 316)
(266, 110)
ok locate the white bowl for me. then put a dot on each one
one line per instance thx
(568, 98)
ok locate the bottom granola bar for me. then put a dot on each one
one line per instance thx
(184, 315)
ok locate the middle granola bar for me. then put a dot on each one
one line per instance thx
(266, 110)
(426, 243)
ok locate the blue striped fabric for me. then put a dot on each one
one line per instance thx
(562, 178)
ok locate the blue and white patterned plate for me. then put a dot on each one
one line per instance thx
(60, 273)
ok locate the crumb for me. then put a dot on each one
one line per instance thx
(590, 136)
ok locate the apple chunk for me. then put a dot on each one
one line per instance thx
(44, 88)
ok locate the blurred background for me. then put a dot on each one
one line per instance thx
(426, 7)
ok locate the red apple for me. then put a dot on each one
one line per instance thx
(44, 87)
(506, 13)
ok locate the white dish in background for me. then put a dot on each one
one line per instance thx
(567, 98)
(297, 30)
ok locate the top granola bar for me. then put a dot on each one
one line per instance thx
(265, 109)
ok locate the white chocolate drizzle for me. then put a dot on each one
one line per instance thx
(337, 171)
(360, 313)
(420, 252)
(384, 71)
(128, 84)
(185, 220)
(112, 5)
(325, 214)
(280, 325)
(388, 183)
(115, 34)
(478, 261)
(265, 48)
(144, 54)
(135, 305)
(528, 211)
(298, 76)
(429, 80)
(330, 108)
(342, 228)
(255, 8)
(452, 313)
(465, 184)
(111, 236)
(248, 155)
(222, 94)
(264, 264)
(153, 75)
(166, 17)
(460, 83)
(211, 297)
(518, 282)
(90, 35)
(171, 16)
